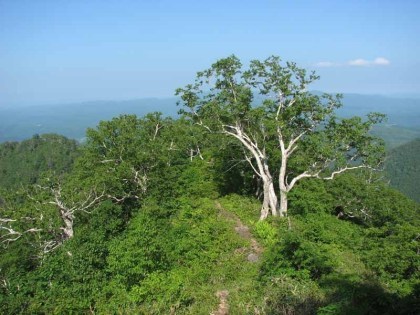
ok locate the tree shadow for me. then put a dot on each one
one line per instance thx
(350, 295)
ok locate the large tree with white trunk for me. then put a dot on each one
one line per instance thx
(286, 132)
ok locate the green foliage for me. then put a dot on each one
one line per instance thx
(247, 208)
(27, 218)
(287, 295)
(69, 280)
(197, 180)
(23, 163)
(403, 169)
(311, 196)
(120, 154)
(266, 233)
(356, 270)
(268, 110)
(364, 199)
(140, 251)
(152, 274)
(392, 251)
(311, 247)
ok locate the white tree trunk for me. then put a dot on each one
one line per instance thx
(68, 224)
(274, 203)
(270, 202)
(265, 208)
(283, 203)
(282, 182)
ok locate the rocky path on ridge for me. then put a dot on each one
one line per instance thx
(252, 253)
(254, 250)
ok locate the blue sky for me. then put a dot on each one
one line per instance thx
(70, 51)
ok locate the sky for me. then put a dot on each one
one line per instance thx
(72, 51)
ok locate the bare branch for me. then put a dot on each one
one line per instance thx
(292, 142)
(6, 220)
(140, 180)
(109, 161)
(258, 155)
(299, 177)
(10, 236)
(344, 169)
(49, 246)
(157, 128)
(13, 235)
(248, 159)
(196, 152)
(200, 123)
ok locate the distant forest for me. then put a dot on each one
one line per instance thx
(402, 168)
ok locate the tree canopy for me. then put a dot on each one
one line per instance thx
(25, 162)
(287, 133)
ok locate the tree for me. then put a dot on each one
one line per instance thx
(125, 154)
(281, 126)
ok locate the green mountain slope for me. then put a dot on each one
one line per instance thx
(22, 163)
(395, 136)
(403, 168)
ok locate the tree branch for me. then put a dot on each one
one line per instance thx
(299, 177)
(342, 170)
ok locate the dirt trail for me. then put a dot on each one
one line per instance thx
(223, 304)
(255, 250)
(251, 252)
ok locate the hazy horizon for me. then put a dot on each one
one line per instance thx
(54, 52)
(403, 96)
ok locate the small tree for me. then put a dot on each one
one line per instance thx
(280, 125)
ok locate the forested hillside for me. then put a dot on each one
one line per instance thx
(232, 208)
(23, 163)
(403, 168)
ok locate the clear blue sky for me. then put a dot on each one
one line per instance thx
(68, 51)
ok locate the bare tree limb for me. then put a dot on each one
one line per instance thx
(344, 169)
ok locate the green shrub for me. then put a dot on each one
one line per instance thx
(266, 233)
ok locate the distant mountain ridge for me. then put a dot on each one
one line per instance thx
(403, 112)
(71, 120)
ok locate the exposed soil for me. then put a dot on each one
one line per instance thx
(223, 308)
(252, 253)
(255, 250)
